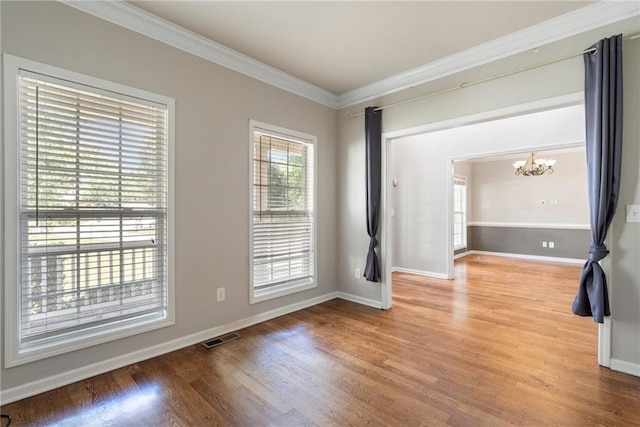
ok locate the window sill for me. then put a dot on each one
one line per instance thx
(261, 295)
(84, 340)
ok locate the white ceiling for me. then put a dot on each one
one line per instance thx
(340, 54)
(342, 46)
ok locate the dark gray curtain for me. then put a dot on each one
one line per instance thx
(603, 107)
(373, 141)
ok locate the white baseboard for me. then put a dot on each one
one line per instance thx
(420, 272)
(462, 254)
(562, 226)
(626, 367)
(359, 300)
(40, 386)
(531, 257)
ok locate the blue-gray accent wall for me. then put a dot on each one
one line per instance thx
(569, 243)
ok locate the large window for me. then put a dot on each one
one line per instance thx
(459, 212)
(91, 221)
(282, 211)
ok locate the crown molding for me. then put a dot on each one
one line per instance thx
(579, 21)
(135, 19)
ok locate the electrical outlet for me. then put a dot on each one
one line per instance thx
(357, 273)
(220, 296)
(544, 244)
(552, 245)
(633, 213)
(554, 202)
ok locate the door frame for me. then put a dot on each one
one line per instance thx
(386, 229)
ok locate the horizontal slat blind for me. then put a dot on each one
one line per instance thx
(459, 211)
(283, 217)
(93, 208)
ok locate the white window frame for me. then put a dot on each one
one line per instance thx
(13, 354)
(464, 212)
(256, 296)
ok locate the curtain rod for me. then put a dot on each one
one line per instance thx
(487, 79)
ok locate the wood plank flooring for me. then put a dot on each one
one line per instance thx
(496, 346)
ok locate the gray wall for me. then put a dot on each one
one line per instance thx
(213, 106)
(553, 80)
(528, 241)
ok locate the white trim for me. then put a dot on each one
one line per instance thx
(531, 257)
(530, 225)
(40, 386)
(449, 245)
(420, 272)
(359, 300)
(463, 254)
(604, 329)
(579, 21)
(145, 23)
(386, 221)
(604, 340)
(626, 367)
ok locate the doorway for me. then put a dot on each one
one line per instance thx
(554, 123)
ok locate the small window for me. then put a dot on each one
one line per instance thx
(459, 212)
(89, 211)
(282, 211)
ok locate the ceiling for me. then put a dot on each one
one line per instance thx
(343, 46)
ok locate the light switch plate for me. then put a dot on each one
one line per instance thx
(633, 213)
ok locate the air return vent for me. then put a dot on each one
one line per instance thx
(214, 342)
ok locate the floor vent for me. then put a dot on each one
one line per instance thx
(214, 342)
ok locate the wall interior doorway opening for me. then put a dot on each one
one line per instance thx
(550, 124)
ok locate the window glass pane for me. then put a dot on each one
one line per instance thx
(459, 207)
(282, 230)
(93, 200)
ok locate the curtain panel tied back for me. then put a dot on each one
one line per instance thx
(603, 108)
(373, 141)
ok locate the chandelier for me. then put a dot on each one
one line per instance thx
(537, 166)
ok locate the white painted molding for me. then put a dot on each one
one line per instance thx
(604, 336)
(128, 16)
(579, 21)
(359, 300)
(529, 225)
(462, 254)
(604, 329)
(531, 257)
(626, 367)
(419, 272)
(584, 19)
(45, 384)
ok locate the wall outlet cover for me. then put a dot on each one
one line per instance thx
(220, 294)
(633, 213)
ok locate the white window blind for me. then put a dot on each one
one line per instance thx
(459, 212)
(282, 211)
(92, 210)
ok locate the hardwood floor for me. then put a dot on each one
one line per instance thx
(496, 346)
